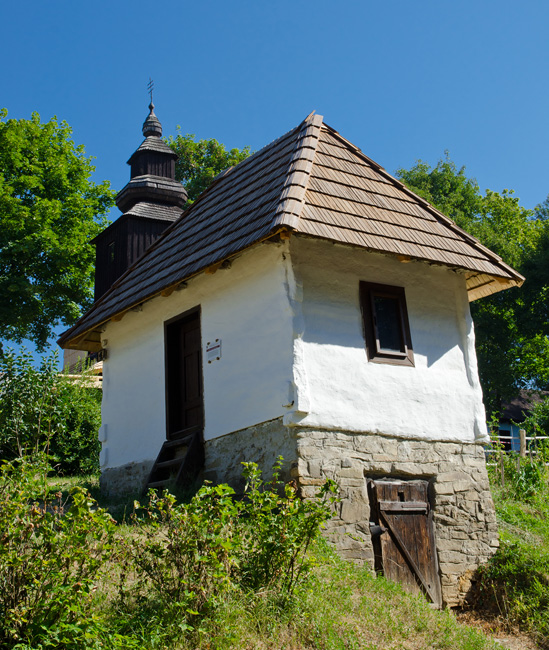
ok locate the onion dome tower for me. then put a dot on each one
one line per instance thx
(149, 202)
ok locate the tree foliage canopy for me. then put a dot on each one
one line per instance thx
(49, 210)
(511, 326)
(200, 161)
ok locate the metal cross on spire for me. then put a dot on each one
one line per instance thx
(150, 88)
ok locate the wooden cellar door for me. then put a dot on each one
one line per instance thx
(403, 535)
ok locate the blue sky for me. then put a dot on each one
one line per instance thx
(401, 80)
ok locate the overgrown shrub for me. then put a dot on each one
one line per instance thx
(51, 554)
(75, 447)
(515, 582)
(277, 530)
(42, 408)
(189, 556)
(185, 553)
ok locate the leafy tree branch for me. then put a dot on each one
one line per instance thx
(49, 211)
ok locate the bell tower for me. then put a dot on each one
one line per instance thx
(149, 202)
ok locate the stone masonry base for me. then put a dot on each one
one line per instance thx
(126, 479)
(463, 511)
(261, 444)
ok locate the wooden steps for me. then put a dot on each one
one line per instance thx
(179, 462)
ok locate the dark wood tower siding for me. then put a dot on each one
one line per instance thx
(119, 246)
(155, 164)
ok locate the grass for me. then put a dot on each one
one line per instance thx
(120, 507)
(341, 607)
(515, 584)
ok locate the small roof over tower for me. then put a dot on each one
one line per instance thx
(152, 176)
(152, 126)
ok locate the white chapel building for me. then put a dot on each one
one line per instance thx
(306, 305)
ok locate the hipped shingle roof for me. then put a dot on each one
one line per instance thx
(310, 181)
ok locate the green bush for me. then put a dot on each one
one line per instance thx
(51, 555)
(190, 556)
(75, 446)
(42, 408)
(185, 553)
(277, 530)
(515, 583)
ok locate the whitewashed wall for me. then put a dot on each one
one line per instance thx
(335, 385)
(246, 307)
(289, 320)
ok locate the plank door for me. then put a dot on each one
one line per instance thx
(404, 540)
(184, 393)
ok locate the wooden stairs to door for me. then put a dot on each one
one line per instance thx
(178, 463)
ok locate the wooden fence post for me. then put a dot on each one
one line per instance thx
(501, 468)
(522, 434)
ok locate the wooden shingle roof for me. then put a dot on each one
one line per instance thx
(311, 181)
(152, 143)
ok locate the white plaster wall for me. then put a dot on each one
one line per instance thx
(246, 307)
(335, 385)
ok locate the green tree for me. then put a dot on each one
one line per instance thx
(43, 409)
(49, 211)
(511, 326)
(200, 161)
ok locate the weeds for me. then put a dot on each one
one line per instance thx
(51, 554)
(515, 583)
(192, 556)
(170, 573)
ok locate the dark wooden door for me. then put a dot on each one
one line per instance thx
(404, 538)
(184, 394)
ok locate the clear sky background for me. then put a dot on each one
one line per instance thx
(402, 80)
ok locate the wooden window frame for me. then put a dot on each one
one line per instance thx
(377, 354)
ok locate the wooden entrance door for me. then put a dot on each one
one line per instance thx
(184, 393)
(403, 538)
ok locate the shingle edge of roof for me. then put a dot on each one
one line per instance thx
(508, 271)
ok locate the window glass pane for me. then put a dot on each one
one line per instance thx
(387, 315)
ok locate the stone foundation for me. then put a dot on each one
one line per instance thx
(261, 444)
(126, 479)
(463, 510)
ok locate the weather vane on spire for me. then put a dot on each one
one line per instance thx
(150, 88)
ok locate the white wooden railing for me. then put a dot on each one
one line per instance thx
(527, 443)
